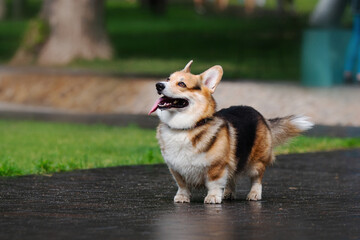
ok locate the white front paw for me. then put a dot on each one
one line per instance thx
(254, 196)
(212, 199)
(181, 198)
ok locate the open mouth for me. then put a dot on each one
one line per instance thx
(165, 103)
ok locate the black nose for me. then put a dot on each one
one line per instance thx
(160, 87)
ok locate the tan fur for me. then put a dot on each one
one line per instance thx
(214, 139)
(220, 152)
(216, 170)
(262, 148)
(282, 129)
(208, 150)
(178, 178)
(196, 136)
(193, 85)
(203, 137)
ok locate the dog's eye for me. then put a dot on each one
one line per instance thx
(168, 79)
(182, 84)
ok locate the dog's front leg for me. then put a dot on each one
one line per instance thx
(215, 189)
(183, 193)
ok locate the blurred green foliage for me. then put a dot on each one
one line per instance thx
(265, 46)
(261, 47)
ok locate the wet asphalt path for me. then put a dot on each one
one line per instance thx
(305, 196)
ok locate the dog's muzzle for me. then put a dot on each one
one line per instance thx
(160, 87)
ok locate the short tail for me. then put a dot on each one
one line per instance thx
(286, 127)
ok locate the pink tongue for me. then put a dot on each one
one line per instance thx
(155, 106)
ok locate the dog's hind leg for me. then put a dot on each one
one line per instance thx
(256, 189)
(183, 193)
(229, 192)
(260, 157)
(256, 174)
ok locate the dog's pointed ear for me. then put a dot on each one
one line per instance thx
(211, 77)
(187, 67)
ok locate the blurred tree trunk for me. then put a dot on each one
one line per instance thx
(328, 13)
(45, 9)
(36, 34)
(18, 8)
(76, 32)
(2, 9)
(249, 6)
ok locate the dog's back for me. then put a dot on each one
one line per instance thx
(245, 121)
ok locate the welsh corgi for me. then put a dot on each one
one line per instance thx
(205, 147)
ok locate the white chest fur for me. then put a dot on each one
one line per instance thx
(181, 156)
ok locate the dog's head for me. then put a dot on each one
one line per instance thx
(187, 98)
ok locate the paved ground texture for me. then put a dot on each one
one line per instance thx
(306, 196)
(91, 93)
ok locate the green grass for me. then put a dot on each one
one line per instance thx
(304, 144)
(41, 147)
(33, 147)
(266, 47)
